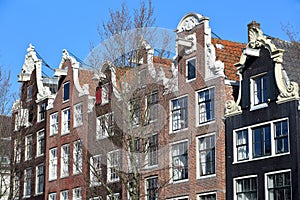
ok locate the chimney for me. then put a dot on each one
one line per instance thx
(251, 25)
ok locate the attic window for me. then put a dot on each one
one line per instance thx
(259, 92)
(66, 91)
(29, 93)
(191, 69)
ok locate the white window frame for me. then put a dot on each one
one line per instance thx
(78, 115)
(241, 178)
(134, 112)
(17, 150)
(52, 196)
(27, 182)
(186, 69)
(150, 152)
(65, 121)
(206, 121)
(37, 178)
(152, 107)
(273, 173)
(54, 123)
(105, 93)
(53, 160)
(172, 145)
(105, 123)
(185, 121)
(115, 166)
(114, 196)
(63, 94)
(42, 111)
(40, 142)
(77, 157)
(77, 193)
(199, 196)
(16, 185)
(21, 118)
(95, 170)
(250, 141)
(199, 176)
(146, 186)
(64, 195)
(28, 147)
(29, 93)
(65, 160)
(179, 198)
(253, 104)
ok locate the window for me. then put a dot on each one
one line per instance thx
(53, 124)
(16, 187)
(152, 107)
(133, 153)
(152, 151)
(78, 115)
(152, 188)
(259, 90)
(262, 140)
(279, 186)
(29, 93)
(40, 178)
(207, 159)
(95, 170)
(105, 126)
(66, 91)
(190, 69)
(77, 157)
(134, 112)
(42, 111)
(28, 147)
(211, 196)
(206, 108)
(52, 196)
(179, 112)
(17, 150)
(246, 188)
(242, 145)
(105, 93)
(21, 118)
(65, 121)
(281, 137)
(113, 166)
(65, 160)
(64, 195)
(180, 198)
(27, 182)
(179, 161)
(40, 143)
(77, 193)
(53, 163)
(142, 78)
(114, 196)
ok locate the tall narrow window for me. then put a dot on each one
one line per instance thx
(152, 107)
(77, 157)
(17, 150)
(242, 145)
(179, 161)
(190, 69)
(27, 182)
(77, 195)
(207, 157)
(152, 151)
(64, 195)
(152, 188)
(105, 93)
(261, 141)
(53, 124)
(134, 112)
(78, 115)
(40, 178)
(179, 112)
(95, 170)
(105, 126)
(16, 186)
(279, 186)
(66, 121)
(29, 93)
(53, 163)
(52, 196)
(65, 160)
(66, 91)
(206, 108)
(246, 188)
(42, 111)
(260, 90)
(142, 78)
(40, 143)
(281, 137)
(28, 147)
(113, 166)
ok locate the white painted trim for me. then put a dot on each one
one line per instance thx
(170, 115)
(186, 69)
(240, 178)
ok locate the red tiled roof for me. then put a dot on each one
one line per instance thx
(229, 53)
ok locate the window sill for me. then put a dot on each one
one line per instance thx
(149, 167)
(206, 176)
(52, 179)
(40, 155)
(261, 158)
(190, 80)
(65, 133)
(259, 106)
(180, 130)
(206, 123)
(113, 181)
(54, 134)
(180, 181)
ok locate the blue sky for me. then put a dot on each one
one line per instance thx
(54, 25)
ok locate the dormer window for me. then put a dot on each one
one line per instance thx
(259, 96)
(191, 69)
(66, 91)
